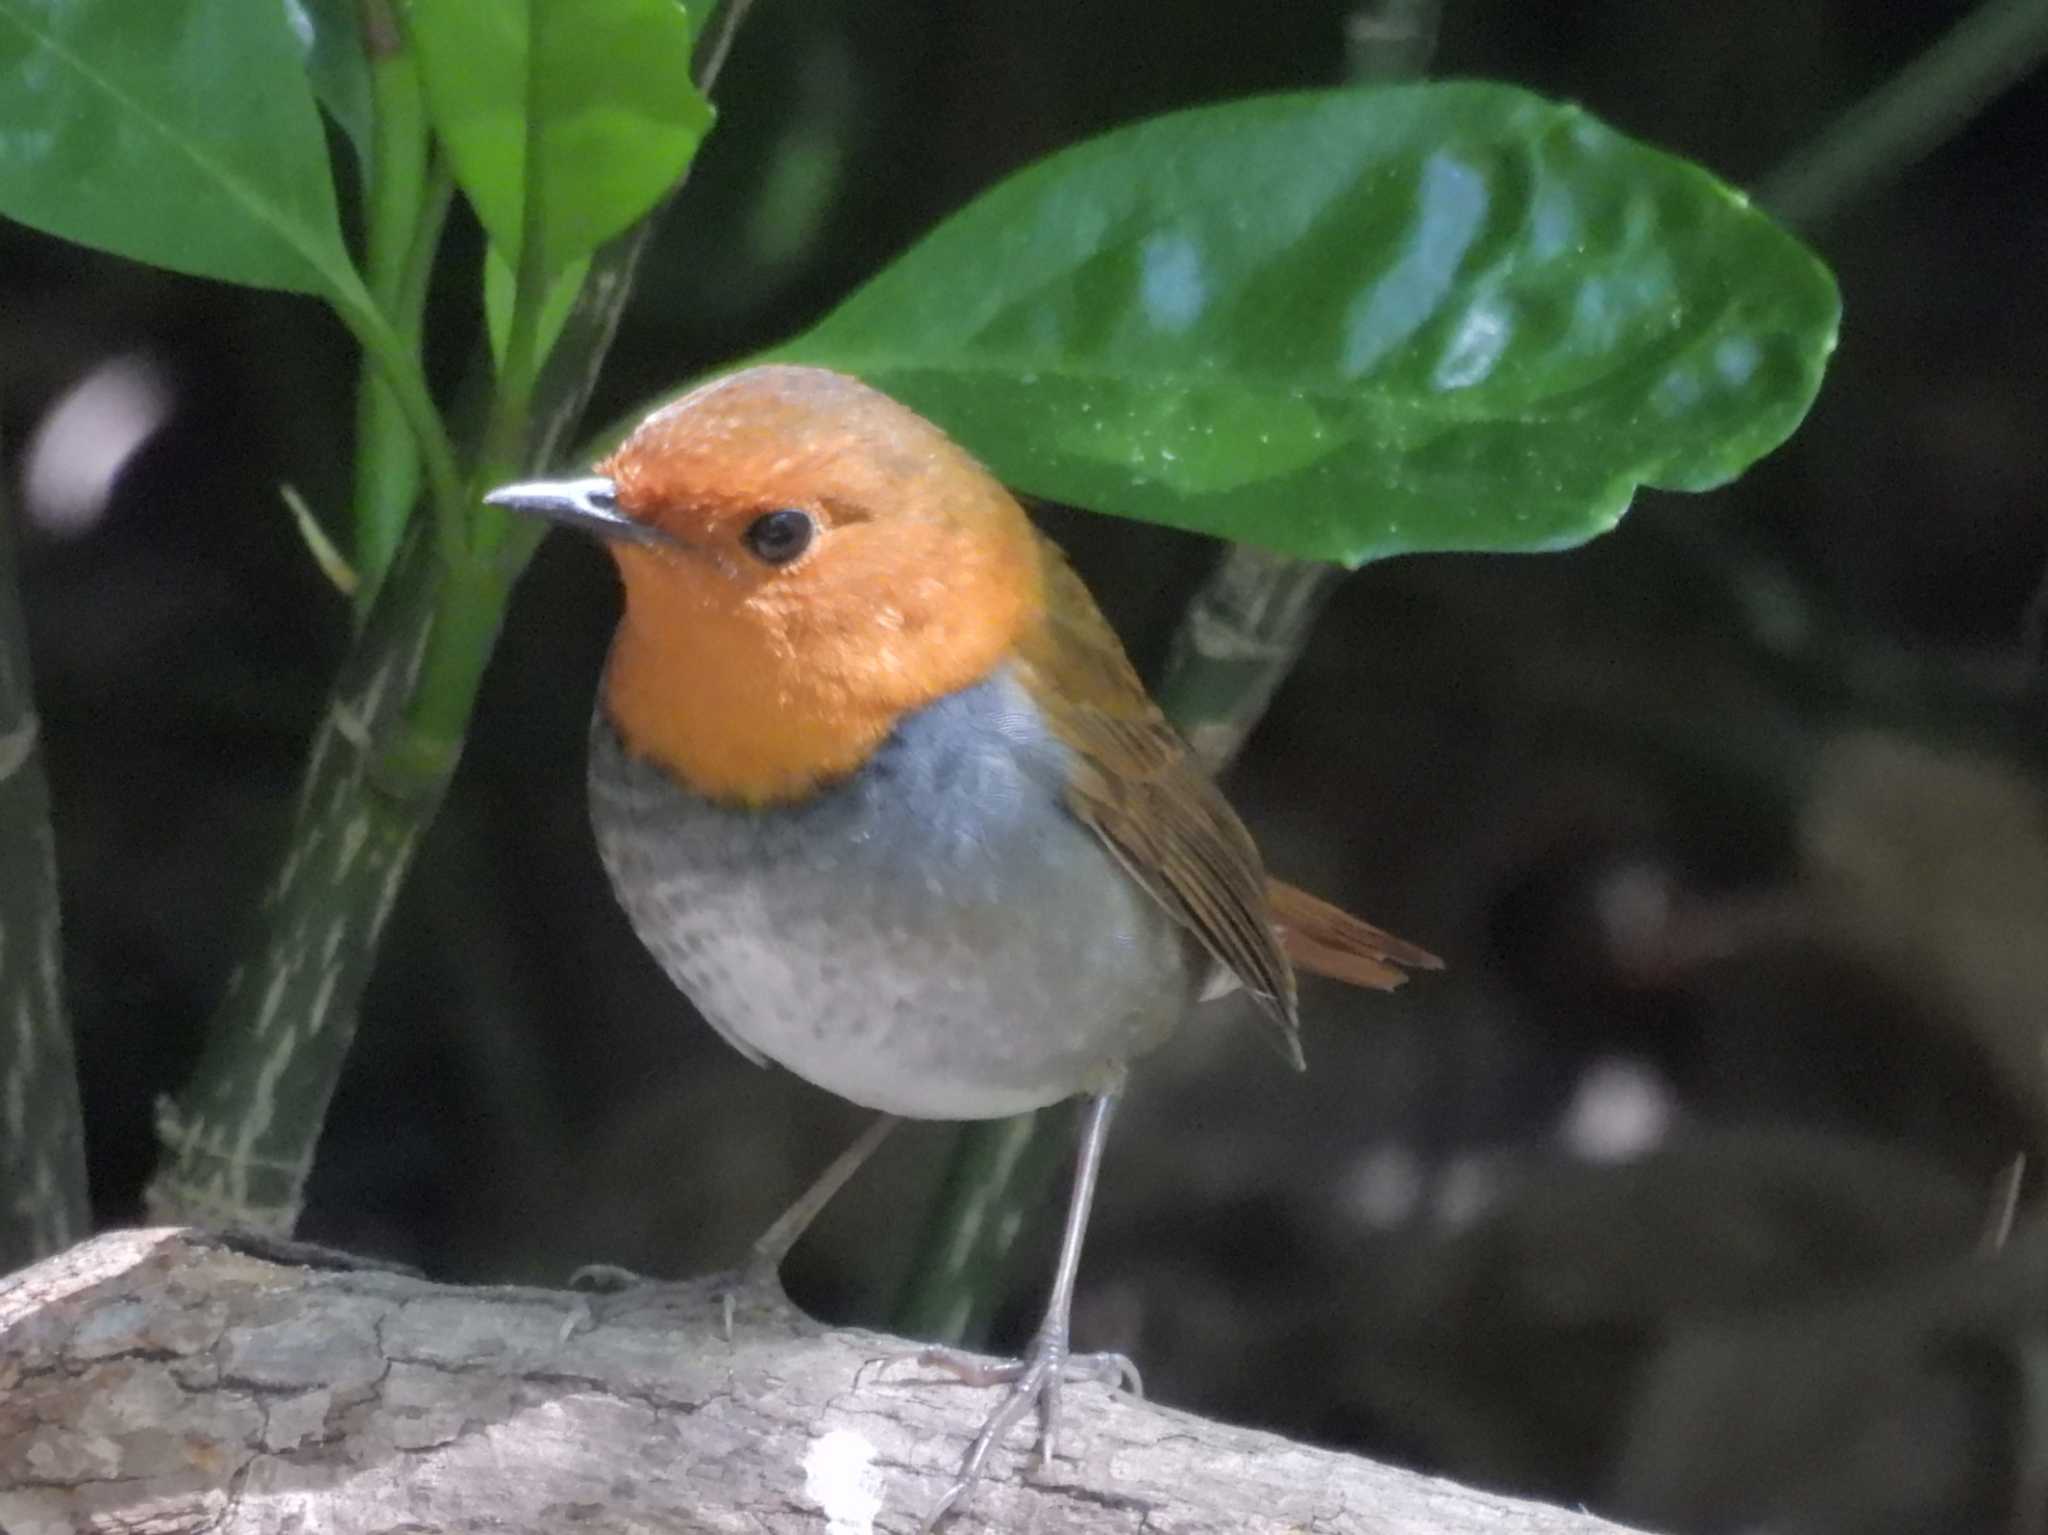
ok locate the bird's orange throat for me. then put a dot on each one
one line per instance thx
(761, 692)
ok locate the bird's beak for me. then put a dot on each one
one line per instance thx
(589, 504)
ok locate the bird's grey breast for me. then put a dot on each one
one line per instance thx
(936, 936)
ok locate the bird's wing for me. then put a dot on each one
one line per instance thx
(1136, 786)
(1329, 941)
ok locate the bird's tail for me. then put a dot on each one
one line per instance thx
(1323, 940)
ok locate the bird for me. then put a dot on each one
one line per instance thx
(876, 784)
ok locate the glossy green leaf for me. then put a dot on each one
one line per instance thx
(1353, 323)
(178, 132)
(565, 120)
(337, 62)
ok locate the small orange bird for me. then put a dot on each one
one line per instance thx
(878, 787)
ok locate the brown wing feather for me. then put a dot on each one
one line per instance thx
(1329, 941)
(1139, 788)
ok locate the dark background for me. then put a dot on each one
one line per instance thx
(1665, 1197)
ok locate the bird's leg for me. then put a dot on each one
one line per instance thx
(763, 1268)
(764, 1258)
(1035, 1379)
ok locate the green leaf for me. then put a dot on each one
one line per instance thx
(499, 284)
(565, 120)
(337, 63)
(1348, 324)
(177, 132)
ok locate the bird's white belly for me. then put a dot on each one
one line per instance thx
(936, 937)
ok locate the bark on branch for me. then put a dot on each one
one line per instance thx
(163, 1381)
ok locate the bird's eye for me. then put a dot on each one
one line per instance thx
(776, 538)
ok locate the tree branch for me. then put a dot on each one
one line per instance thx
(169, 1382)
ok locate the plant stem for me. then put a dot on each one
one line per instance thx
(239, 1139)
(397, 363)
(1920, 107)
(1900, 122)
(714, 43)
(43, 1205)
(387, 482)
(401, 203)
(999, 1170)
(1240, 636)
(1390, 40)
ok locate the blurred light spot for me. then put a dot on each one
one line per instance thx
(796, 196)
(1382, 1188)
(1170, 282)
(1677, 392)
(1465, 1190)
(1736, 359)
(1482, 336)
(1776, 607)
(84, 441)
(1620, 1110)
(1633, 906)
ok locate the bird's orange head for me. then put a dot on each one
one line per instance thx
(805, 561)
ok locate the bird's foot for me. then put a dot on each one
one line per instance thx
(1035, 1380)
(755, 1286)
(609, 1279)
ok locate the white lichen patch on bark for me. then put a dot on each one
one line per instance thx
(841, 1477)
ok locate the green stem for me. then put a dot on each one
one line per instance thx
(508, 426)
(387, 454)
(714, 43)
(409, 298)
(1238, 640)
(1390, 40)
(43, 1205)
(1240, 637)
(999, 1169)
(398, 364)
(405, 209)
(510, 423)
(1924, 104)
(238, 1140)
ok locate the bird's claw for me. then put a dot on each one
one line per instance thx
(759, 1279)
(1035, 1380)
(1105, 1369)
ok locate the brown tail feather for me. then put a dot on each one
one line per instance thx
(1323, 940)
